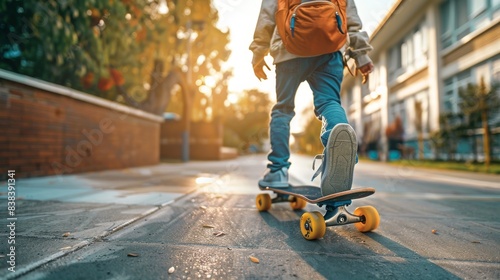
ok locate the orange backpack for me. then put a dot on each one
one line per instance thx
(313, 27)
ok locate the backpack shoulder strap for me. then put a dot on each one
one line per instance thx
(346, 58)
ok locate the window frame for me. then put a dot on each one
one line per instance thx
(452, 31)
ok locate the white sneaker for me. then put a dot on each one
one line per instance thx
(337, 168)
(278, 179)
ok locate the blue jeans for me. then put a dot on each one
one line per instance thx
(324, 75)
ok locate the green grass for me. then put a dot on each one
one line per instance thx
(451, 165)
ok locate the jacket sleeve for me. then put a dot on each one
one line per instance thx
(359, 45)
(263, 30)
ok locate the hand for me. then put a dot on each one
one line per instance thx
(258, 69)
(365, 71)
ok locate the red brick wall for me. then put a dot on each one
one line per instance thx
(44, 133)
(205, 140)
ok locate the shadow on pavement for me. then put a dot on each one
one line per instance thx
(411, 261)
(345, 253)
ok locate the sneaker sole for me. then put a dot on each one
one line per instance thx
(264, 184)
(341, 154)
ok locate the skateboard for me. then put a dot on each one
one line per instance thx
(313, 224)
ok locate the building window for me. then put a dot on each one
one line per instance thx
(410, 53)
(452, 86)
(449, 97)
(495, 4)
(478, 6)
(398, 110)
(496, 70)
(375, 82)
(461, 17)
(489, 70)
(395, 61)
(495, 76)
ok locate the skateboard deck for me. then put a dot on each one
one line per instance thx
(313, 194)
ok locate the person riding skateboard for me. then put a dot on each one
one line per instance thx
(324, 74)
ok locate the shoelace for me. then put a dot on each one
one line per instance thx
(320, 168)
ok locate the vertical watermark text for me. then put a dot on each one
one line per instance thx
(11, 220)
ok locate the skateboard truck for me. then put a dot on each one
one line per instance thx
(336, 216)
(340, 216)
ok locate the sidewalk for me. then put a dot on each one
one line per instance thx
(200, 220)
(58, 215)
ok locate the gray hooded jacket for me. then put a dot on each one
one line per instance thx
(266, 38)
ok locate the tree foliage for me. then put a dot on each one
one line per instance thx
(247, 120)
(445, 140)
(97, 46)
(476, 99)
(309, 141)
(477, 104)
(419, 126)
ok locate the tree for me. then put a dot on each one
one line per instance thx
(394, 133)
(127, 45)
(248, 119)
(56, 41)
(194, 48)
(446, 139)
(419, 127)
(309, 141)
(371, 137)
(476, 103)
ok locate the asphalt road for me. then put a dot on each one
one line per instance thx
(434, 225)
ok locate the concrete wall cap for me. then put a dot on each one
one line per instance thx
(75, 94)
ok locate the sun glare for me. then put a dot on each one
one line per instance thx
(232, 98)
(210, 81)
(163, 8)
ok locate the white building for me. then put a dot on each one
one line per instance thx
(424, 51)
